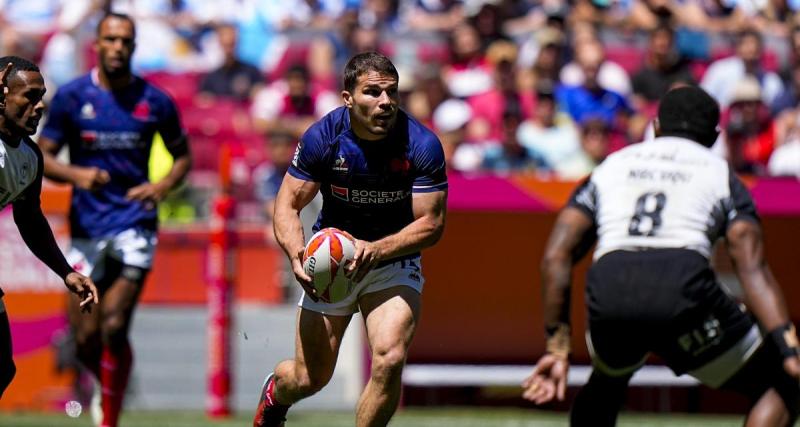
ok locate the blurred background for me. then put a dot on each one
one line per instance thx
(505, 85)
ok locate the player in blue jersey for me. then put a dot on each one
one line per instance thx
(382, 178)
(108, 119)
(21, 107)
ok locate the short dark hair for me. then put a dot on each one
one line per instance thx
(665, 29)
(298, 70)
(750, 32)
(115, 15)
(689, 112)
(364, 63)
(17, 64)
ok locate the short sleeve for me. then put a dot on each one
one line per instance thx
(428, 162)
(58, 118)
(308, 157)
(169, 125)
(584, 198)
(739, 206)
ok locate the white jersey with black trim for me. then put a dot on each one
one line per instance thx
(18, 170)
(667, 193)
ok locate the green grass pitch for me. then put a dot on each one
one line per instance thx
(459, 417)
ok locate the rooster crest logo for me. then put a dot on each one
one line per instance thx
(340, 164)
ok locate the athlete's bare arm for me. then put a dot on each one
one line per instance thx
(762, 294)
(38, 236)
(570, 240)
(292, 197)
(87, 178)
(424, 231)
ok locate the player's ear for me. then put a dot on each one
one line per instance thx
(348, 99)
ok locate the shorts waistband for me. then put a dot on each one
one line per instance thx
(398, 259)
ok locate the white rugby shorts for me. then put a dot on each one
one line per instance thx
(131, 247)
(406, 272)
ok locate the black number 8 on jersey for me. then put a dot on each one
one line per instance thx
(646, 218)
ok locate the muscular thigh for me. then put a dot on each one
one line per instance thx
(391, 316)
(668, 302)
(318, 339)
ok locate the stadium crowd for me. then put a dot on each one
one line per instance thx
(546, 87)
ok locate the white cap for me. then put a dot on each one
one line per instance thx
(451, 115)
(746, 90)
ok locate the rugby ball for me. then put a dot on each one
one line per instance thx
(324, 259)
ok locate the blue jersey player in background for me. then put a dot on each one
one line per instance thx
(382, 178)
(108, 119)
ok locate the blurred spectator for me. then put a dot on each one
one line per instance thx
(662, 68)
(524, 17)
(793, 59)
(450, 123)
(790, 97)
(434, 15)
(509, 156)
(290, 105)
(25, 26)
(234, 79)
(489, 107)
(467, 73)
(541, 58)
(721, 16)
(723, 75)
(382, 14)
(591, 100)
(63, 56)
(549, 135)
(611, 76)
(595, 146)
(648, 15)
(785, 160)
(429, 92)
(329, 53)
(487, 17)
(269, 176)
(769, 17)
(749, 129)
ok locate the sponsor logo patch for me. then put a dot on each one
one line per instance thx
(340, 193)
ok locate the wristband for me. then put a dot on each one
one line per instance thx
(785, 338)
(558, 340)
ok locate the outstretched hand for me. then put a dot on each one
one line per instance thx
(84, 288)
(547, 381)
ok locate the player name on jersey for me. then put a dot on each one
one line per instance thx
(674, 176)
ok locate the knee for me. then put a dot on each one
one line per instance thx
(387, 364)
(86, 337)
(310, 380)
(114, 329)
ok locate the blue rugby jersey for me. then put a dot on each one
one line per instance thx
(112, 131)
(367, 185)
